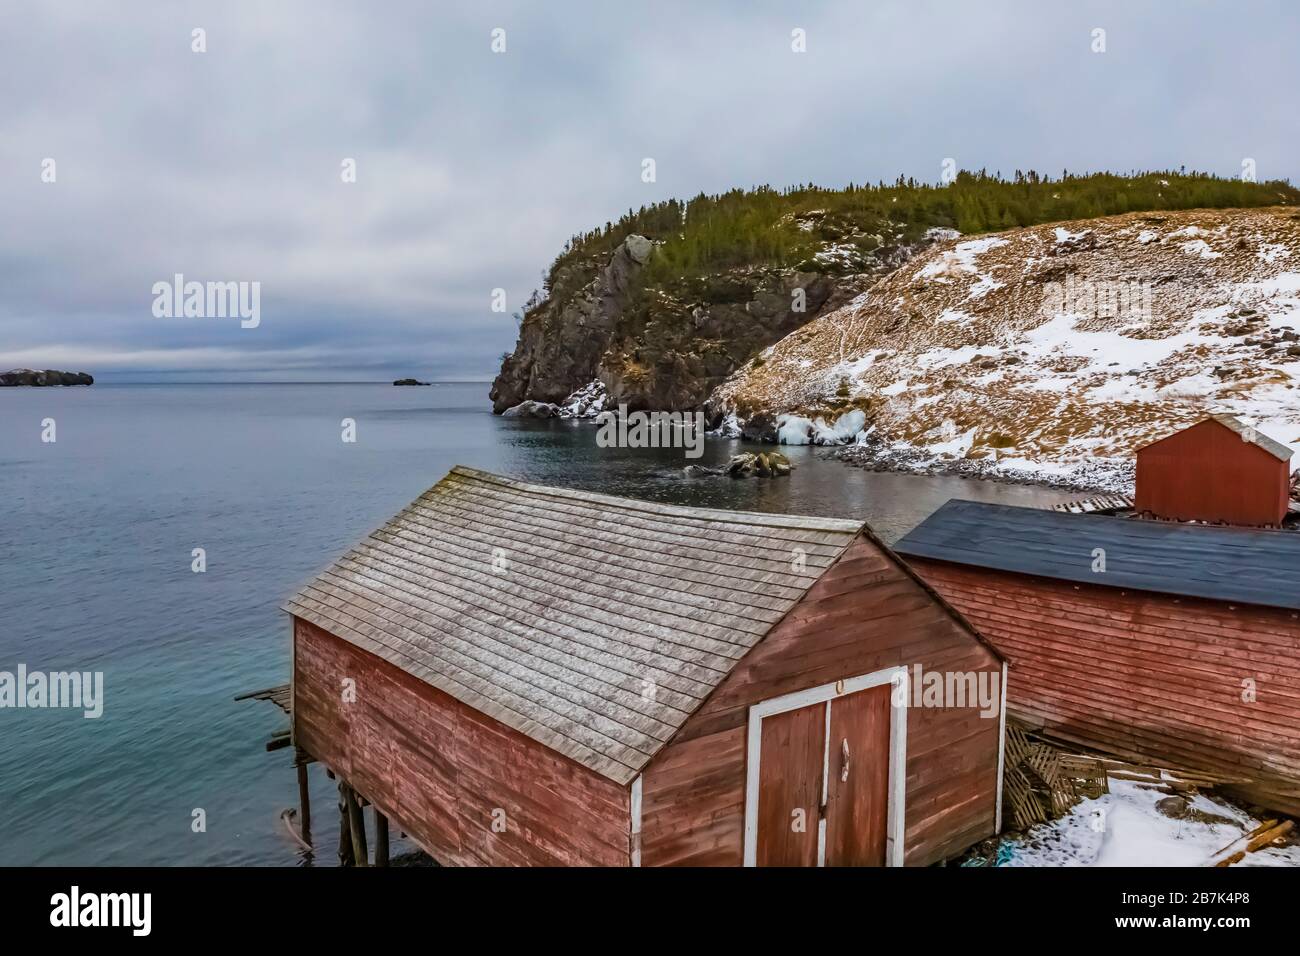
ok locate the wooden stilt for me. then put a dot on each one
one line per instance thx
(304, 805)
(381, 838)
(357, 824)
(345, 828)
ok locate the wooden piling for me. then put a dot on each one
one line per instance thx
(304, 805)
(357, 824)
(381, 838)
(345, 828)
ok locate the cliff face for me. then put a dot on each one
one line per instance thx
(1057, 344)
(562, 341)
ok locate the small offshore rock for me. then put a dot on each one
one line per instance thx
(38, 378)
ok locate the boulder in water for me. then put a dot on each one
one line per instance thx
(766, 465)
(532, 409)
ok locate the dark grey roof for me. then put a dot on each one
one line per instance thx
(1227, 564)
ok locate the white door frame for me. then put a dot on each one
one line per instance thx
(896, 787)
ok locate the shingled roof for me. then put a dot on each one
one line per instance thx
(593, 624)
(1227, 564)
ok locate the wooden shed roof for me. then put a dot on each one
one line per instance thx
(593, 624)
(1226, 564)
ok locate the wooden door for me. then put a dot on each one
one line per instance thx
(857, 792)
(791, 758)
(823, 782)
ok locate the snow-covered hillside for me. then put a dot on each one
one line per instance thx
(1052, 347)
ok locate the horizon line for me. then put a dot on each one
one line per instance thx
(377, 381)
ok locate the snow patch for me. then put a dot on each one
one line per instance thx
(1124, 828)
(587, 402)
(797, 430)
(1199, 247)
(729, 427)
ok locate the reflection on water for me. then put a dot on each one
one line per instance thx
(565, 453)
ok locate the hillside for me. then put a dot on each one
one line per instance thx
(1052, 349)
(663, 305)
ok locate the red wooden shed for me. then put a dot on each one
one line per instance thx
(1177, 645)
(518, 674)
(1220, 471)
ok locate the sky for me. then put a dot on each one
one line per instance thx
(474, 166)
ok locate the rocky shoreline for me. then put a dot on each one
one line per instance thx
(1098, 476)
(38, 378)
(849, 441)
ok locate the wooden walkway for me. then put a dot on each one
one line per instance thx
(278, 695)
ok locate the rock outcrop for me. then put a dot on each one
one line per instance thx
(669, 347)
(561, 342)
(532, 409)
(39, 378)
(410, 381)
(768, 464)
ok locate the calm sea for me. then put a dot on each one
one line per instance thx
(96, 537)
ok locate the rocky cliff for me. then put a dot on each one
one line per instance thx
(561, 342)
(670, 344)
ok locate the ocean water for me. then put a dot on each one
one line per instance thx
(97, 531)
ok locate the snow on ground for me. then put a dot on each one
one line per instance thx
(1049, 347)
(1124, 828)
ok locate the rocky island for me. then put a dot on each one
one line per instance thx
(410, 381)
(38, 378)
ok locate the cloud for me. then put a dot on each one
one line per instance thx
(474, 168)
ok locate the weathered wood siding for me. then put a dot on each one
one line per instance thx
(863, 615)
(1145, 676)
(1208, 473)
(440, 769)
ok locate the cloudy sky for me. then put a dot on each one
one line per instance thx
(473, 167)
